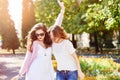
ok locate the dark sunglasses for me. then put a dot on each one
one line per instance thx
(41, 34)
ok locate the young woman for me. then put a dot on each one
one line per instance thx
(64, 52)
(37, 63)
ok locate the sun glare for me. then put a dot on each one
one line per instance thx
(15, 10)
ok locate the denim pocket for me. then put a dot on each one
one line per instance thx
(73, 75)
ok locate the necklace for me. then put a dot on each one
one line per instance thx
(42, 45)
(45, 53)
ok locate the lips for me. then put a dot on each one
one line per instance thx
(40, 38)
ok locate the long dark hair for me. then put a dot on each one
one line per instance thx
(32, 36)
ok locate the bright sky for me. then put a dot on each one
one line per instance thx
(15, 10)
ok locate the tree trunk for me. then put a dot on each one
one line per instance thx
(96, 42)
(119, 37)
(74, 41)
(13, 51)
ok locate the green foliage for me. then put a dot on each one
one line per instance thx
(89, 16)
(103, 16)
(102, 69)
(46, 11)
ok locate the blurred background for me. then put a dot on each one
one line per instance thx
(93, 27)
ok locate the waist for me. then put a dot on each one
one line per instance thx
(66, 71)
(70, 67)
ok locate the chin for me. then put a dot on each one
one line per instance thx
(40, 39)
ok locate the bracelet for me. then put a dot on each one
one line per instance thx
(19, 75)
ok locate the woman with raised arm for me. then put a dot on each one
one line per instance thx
(37, 64)
(68, 67)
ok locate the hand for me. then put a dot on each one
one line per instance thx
(15, 77)
(61, 4)
(19, 75)
(81, 75)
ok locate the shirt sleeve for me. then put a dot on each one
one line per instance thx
(69, 47)
(30, 56)
(34, 52)
(60, 18)
(24, 66)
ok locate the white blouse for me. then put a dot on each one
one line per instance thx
(63, 53)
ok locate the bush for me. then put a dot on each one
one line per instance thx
(98, 68)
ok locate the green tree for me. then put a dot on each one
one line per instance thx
(7, 29)
(47, 10)
(92, 16)
(28, 19)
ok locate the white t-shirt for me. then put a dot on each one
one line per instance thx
(63, 53)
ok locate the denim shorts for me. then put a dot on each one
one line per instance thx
(67, 75)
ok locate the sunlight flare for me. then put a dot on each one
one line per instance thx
(15, 10)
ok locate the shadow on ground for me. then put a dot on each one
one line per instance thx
(9, 66)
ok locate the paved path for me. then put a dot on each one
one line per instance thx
(9, 66)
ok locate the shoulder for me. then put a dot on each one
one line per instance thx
(66, 41)
(35, 42)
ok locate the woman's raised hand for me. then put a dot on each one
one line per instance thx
(61, 4)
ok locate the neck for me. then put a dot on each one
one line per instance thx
(41, 41)
(59, 40)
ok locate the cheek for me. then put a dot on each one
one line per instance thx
(52, 37)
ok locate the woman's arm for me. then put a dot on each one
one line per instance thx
(30, 56)
(24, 66)
(61, 14)
(80, 73)
(34, 53)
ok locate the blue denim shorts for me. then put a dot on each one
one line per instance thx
(67, 75)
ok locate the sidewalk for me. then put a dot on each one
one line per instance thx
(9, 66)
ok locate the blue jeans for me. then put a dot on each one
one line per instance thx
(68, 75)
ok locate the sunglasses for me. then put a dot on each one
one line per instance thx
(41, 34)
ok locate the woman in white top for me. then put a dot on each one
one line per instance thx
(64, 52)
(37, 64)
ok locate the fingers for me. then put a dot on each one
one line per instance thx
(58, 1)
(61, 4)
(82, 76)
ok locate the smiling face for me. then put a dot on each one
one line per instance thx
(40, 34)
